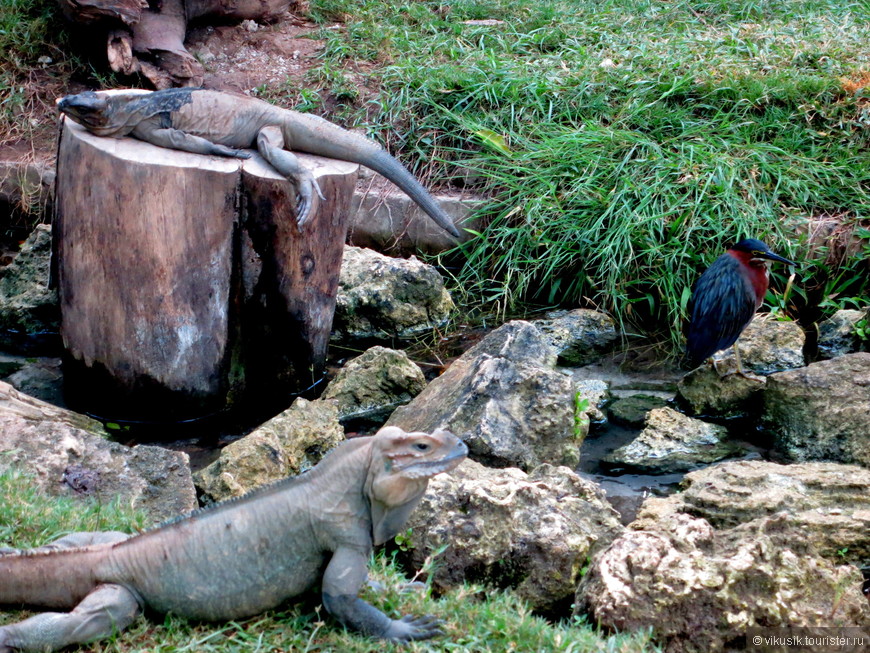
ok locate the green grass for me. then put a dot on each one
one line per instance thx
(475, 619)
(34, 61)
(624, 143)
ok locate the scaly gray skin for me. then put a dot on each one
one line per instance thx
(215, 122)
(240, 557)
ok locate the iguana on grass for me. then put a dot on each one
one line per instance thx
(215, 122)
(240, 557)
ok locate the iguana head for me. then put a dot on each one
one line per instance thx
(401, 465)
(118, 112)
(89, 109)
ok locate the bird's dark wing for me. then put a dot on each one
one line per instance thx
(723, 303)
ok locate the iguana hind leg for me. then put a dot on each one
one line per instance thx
(108, 609)
(270, 143)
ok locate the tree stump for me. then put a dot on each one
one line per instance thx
(186, 288)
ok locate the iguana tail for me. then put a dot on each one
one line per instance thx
(315, 135)
(55, 579)
(382, 162)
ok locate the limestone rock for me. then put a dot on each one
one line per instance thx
(701, 590)
(838, 335)
(29, 313)
(374, 384)
(633, 410)
(822, 411)
(705, 392)
(288, 444)
(672, 442)
(41, 378)
(383, 297)
(497, 397)
(533, 532)
(579, 336)
(766, 346)
(825, 505)
(69, 454)
(597, 393)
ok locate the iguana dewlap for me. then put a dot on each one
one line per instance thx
(214, 122)
(240, 557)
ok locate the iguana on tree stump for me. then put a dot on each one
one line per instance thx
(220, 123)
(240, 557)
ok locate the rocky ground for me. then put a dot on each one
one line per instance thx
(745, 543)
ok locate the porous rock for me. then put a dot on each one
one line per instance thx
(532, 532)
(28, 307)
(838, 335)
(699, 589)
(704, 392)
(374, 384)
(579, 336)
(766, 346)
(596, 392)
(383, 297)
(503, 402)
(825, 505)
(822, 411)
(633, 410)
(672, 442)
(69, 454)
(287, 444)
(41, 378)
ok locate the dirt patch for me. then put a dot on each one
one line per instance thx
(249, 56)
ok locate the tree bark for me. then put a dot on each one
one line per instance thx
(186, 288)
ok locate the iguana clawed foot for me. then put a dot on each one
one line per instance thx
(410, 628)
(305, 184)
(236, 154)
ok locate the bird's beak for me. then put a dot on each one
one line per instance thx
(770, 256)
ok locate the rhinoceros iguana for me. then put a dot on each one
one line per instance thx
(240, 557)
(215, 122)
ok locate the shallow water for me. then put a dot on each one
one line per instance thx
(625, 491)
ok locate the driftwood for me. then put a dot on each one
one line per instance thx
(148, 38)
(185, 285)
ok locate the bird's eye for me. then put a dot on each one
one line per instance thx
(421, 446)
(757, 253)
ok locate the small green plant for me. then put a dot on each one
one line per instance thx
(581, 419)
(404, 542)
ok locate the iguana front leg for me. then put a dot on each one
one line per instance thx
(342, 581)
(176, 139)
(108, 609)
(270, 143)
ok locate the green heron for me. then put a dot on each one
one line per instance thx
(725, 298)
